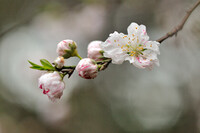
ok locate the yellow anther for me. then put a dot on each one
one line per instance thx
(133, 35)
(150, 59)
(129, 38)
(151, 45)
(133, 52)
(129, 42)
(124, 36)
(118, 44)
(136, 27)
(140, 48)
(114, 40)
(133, 39)
(137, 40)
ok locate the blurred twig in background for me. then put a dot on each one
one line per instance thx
(175, 30)
(22, 22)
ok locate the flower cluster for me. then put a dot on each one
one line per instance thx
(134, 47)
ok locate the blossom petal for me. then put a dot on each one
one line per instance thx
(133, 28)
(153, 45)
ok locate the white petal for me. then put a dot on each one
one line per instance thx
(130, 59)
(132, 28)
(153, 45)
(142, 29)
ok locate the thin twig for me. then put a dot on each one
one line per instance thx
(69, 67)
(105, 64)
(175, 30)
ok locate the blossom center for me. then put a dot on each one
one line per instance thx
(132, 50)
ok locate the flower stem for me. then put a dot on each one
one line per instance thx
(103, 61)
(68, 67)
(79, 56)
(99, 67)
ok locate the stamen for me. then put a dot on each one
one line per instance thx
(140, 48)
(124, 36)
(133, 52)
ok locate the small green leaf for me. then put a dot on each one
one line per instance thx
(38, 68)
(33, 64)
(46, 63)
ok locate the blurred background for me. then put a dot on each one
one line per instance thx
(123, 98)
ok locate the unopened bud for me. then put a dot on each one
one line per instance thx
(59, 62)
(67, 48)
(52, 85)
(95, 51)
(87, 68)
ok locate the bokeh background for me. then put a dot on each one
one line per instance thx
(123, 98)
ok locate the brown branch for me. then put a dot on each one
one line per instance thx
(179, 27)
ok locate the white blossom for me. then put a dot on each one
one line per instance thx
(52, 85)
(94, 50)
(87, 68)
(134, 47)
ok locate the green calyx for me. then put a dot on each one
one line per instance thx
(101, 52)
(72, 52)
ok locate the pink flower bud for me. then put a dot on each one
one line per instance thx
(94, 50)
(52, 85)
(87, 68)
(66, 48)
(59, 62)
